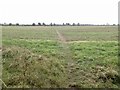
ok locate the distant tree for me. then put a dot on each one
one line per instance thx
(73, 24)
(63, 24)
(114, 24)
(51, 24)
(33, 24)
(107, 24)
(78, 24)
(67, 24)
(54, 24)
(4, 24)
(10, 24)
(43, 24)
(17, 24)
(39, 24)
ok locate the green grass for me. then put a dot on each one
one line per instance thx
(89, 33)
(23, 68)
(19, 32)
(34, 57)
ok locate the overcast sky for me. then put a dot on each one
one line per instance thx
(59, 11)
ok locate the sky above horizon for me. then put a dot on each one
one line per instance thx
(59, 11)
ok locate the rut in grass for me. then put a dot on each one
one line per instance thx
(69, 59)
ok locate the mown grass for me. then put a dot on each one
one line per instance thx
(77, 33)
(27, 32)
(88, 33)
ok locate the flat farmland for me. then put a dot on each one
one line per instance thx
(43, 33)
(75, 33)
(90, 33)
(60, 56)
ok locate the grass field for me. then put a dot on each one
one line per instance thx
(56, 56)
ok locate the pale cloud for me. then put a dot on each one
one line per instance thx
(59, 11)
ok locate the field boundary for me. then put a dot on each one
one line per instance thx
(31, 40)
(89, 41)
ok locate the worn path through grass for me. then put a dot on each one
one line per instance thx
(71, 64)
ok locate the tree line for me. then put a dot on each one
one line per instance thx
(54, 24)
